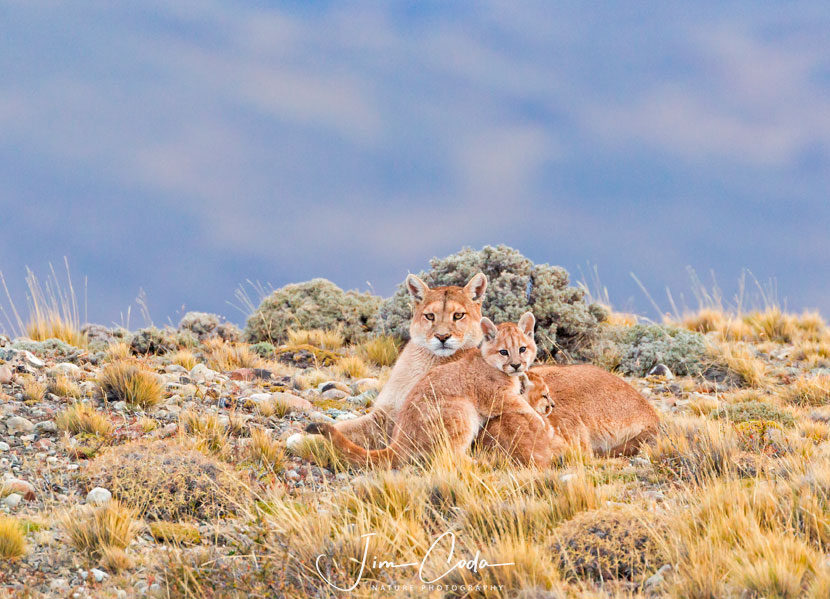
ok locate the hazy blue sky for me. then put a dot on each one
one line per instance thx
(184, 147)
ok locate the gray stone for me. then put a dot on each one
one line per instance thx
(6, 375)
(12, 500)
(47, 426)
(98, 496)
(334, 393)
(18, 424)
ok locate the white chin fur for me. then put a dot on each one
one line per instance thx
(444, 352)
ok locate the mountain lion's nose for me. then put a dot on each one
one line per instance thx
(516, 366)
(442, 338)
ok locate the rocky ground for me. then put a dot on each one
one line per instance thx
(218, 397)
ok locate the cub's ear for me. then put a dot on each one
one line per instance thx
(488, 328)
(417, 288)
(476, 286)
(526, 323)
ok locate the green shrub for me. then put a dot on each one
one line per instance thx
(152, 341)
(514, 285)
(642, 347)
(748, 411)
(315, 304)
(263, 349)
(203, 325)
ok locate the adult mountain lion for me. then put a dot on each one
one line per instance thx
(445, 321)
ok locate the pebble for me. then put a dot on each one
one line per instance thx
(323, 387)
(334, 393)
(18, 424)
(16, 485)
(202, 374)
(293, 401)
(293, 442)
(5, 375)
(363, 399)
(320, 417)
(67, 369)
(12, 500)
(47, 426)
(98, 575)
(566, 477)
(98, 496)
(4, 446)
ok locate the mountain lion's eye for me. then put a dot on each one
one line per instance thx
(504, 352)
(429, 316)
(458, 316)
(522, 349)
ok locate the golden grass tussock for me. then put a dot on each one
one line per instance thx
(324, 339)
(33, 390)
(116, 559)
(381, 351)
(91, 530)
(742, 360)
(12, 539)
(265, 452)
(127, 381)
(63, 386)
(812, 391)
(184, 358)
(118, 351)
(352, 366)
(53, 326)
(82, 417)
(209, 432)
(225, 357)
(758, 326)
(175, 533)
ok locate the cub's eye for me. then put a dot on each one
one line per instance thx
(504, 352)
(429, 316)
(458, 316)
(522, 349)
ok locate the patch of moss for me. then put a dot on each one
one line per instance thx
(747, 411)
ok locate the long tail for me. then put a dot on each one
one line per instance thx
(355, 454)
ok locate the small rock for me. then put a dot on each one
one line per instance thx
(4, 446)
(16, 485)
(334, 385)
(5, 375)
(334, 393)
(242, 374)
(366, 384)
(294, 402)
(202, 374)
(320, 417)
(566, 477)
(293, 442)
(47, 426)
(67, 369)
(98, 496)
(658, 577)
(292, 475)
(18, 424)
(12, 500)
(59, 584)
(258, 397)
(364, 399)
(661, 370)
(98, 575)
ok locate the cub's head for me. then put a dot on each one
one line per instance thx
(509, 347)
(538, 394)
(446, 319)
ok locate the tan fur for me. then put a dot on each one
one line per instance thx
(594, 404)
(424, 351)
(453, 400)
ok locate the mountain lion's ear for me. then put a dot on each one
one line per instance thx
(476, 286)
(526, 323)
(417, 288)
(488, 328)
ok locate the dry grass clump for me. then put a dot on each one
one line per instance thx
(273, 407)
(84, 418)
(118, 351)
(63, 386)
(694, 450)
(175, 533)
(754, 409)
(91, 530)
(53, 326)
(324, 339)
(33, 390)
(126, 381)
(320, 452)
(210, 432)
(12, 539)
(166, 481)
(184, 358)
(352, 367)
(265, 452)
(611, 544)
(225, 357)
(804, 391)
(741, 359)
(381, 350)
(770, 324)
(115, 559)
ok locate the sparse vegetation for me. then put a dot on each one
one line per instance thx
(93, 530)
(381, 350)
(12, 539)
(642, 347)
(84, 418)
(813, 391)
(127, 381)
(265, 452)
(184, 358)
(33, 390)
(225, 357)
(353, 367)
(62, 386)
